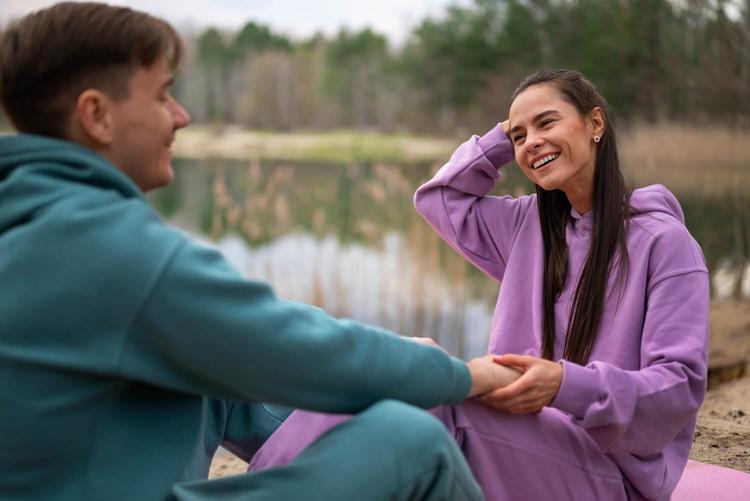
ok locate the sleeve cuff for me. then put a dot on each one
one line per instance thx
(497, 147)
(578, 390)
(462, 383)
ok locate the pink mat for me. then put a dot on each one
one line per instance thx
(706, 482)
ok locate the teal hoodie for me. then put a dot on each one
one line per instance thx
(129, 351)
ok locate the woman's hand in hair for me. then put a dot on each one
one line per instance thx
(535, 389)
(506, 126)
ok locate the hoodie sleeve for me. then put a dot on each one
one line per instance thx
(641, 411)
(250, 424)
(245, 426)
(481, 228)
(204, 329)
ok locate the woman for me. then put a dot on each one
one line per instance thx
(603, 309)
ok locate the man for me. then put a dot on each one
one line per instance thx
(128, 353)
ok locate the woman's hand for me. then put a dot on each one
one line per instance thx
(486, 375)
(535, 389)
(506, 126)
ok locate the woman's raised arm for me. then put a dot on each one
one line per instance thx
(480, 228)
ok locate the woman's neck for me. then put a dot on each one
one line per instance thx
(581, 200)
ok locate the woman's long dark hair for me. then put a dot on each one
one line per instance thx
(611, 209)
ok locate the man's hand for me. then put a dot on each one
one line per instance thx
(486, 375)
(535, 389)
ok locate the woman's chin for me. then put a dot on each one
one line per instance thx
(547, 184)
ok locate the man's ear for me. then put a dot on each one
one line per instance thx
(596, 121)
(93, 112)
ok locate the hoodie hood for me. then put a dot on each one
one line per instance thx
(35, 171)
(656, 199)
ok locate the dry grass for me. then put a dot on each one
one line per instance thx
(687, 158)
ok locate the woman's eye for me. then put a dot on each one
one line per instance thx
(546, 123)
(517, 138)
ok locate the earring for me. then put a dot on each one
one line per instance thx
(597, 139)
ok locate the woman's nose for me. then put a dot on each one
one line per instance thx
(533, 141)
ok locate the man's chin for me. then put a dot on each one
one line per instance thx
(166, 177)
(169, 175)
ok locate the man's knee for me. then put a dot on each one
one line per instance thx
(410, 428)
(427, 462)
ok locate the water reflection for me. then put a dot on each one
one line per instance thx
(386, 286)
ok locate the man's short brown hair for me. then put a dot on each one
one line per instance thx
(49, 57)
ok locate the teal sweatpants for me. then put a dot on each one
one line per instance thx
(391, 451)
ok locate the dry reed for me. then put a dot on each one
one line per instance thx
(687, 158)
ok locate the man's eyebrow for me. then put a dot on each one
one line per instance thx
(538, 117)
(168, 82)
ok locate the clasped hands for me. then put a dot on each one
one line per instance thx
(518, 384)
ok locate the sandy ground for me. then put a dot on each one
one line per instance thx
(723, 434)
(225, 464)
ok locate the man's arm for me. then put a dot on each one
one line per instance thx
(206, 330)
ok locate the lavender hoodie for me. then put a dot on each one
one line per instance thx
(639, 396)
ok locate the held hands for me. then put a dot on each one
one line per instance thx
(518, 384)
(486, 375)
(536, 387)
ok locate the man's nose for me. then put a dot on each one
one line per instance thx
(181, 116)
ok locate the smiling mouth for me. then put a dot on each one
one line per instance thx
(544, 161)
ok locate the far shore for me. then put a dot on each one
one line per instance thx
(201, 141)
(686, 158)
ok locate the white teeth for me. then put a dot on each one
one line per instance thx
(544, 160)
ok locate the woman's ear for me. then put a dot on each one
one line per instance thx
(596, 122)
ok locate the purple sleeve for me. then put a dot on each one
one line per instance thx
(453, 202)
(641, 411)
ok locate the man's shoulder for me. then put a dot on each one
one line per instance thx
(115, 239)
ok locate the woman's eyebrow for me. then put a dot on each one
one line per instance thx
(538, 117)
(544, 114)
